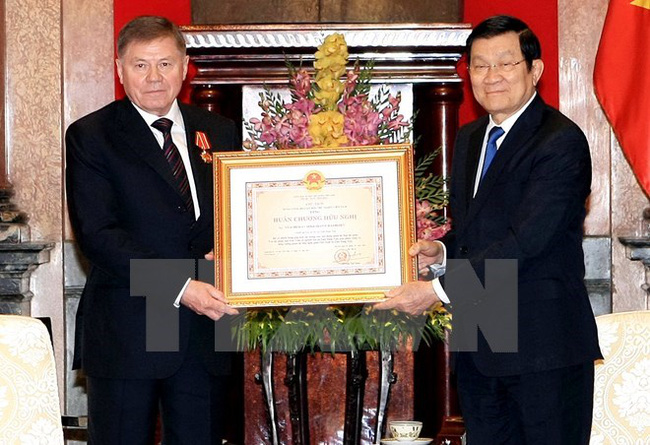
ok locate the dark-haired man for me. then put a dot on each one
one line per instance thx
(519, 181)
(138, 189)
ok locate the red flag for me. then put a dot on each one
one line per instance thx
(622, 80)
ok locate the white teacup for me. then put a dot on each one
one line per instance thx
(405, 430)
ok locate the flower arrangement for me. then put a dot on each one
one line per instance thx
(329, 111)
(431, 198)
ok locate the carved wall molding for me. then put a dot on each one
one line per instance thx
(272, 36)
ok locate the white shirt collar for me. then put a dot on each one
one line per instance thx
(509, 122)
(174, 114)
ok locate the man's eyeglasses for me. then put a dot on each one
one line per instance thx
(482, 69)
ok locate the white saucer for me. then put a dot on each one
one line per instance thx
(418, 441)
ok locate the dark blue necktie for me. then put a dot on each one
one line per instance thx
(173, 157)
(491, 149)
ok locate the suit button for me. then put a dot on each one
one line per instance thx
(181, 209)
(464, 250)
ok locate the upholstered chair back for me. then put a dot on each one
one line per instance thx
(622, 383)
(29, 398)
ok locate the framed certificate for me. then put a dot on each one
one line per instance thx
(313, 226)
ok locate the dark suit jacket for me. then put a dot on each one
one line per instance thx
(530, 206)
(124, 205)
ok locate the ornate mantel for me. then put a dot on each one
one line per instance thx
(256, 53)
(226, 57)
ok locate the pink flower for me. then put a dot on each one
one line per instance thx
(300, 136)
(282, 129)
(434, 231)
(422, 209)
(266, 128)
(301, 83)
(268, 137)
(427, 228)
(397, 123)
(394, 101)
(257, 124)
(392, 107)
(351, 82)
(305, 106)
(361, 121)
(298, 118)
(386, 112)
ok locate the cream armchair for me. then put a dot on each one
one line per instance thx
(29, 399)
(622, 383)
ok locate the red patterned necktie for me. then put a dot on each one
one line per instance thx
(173, 157)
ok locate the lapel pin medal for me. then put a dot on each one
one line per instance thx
(202, 142)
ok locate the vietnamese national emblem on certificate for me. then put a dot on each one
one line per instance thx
(314, 180)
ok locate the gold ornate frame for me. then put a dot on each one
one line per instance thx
(237, 223)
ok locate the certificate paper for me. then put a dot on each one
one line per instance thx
(313, 226)
(316, 227)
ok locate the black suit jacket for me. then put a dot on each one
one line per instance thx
(530, 206)
(124, 205)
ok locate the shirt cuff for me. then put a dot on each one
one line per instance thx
(438, 270)
(177, 302)
(440, 292)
